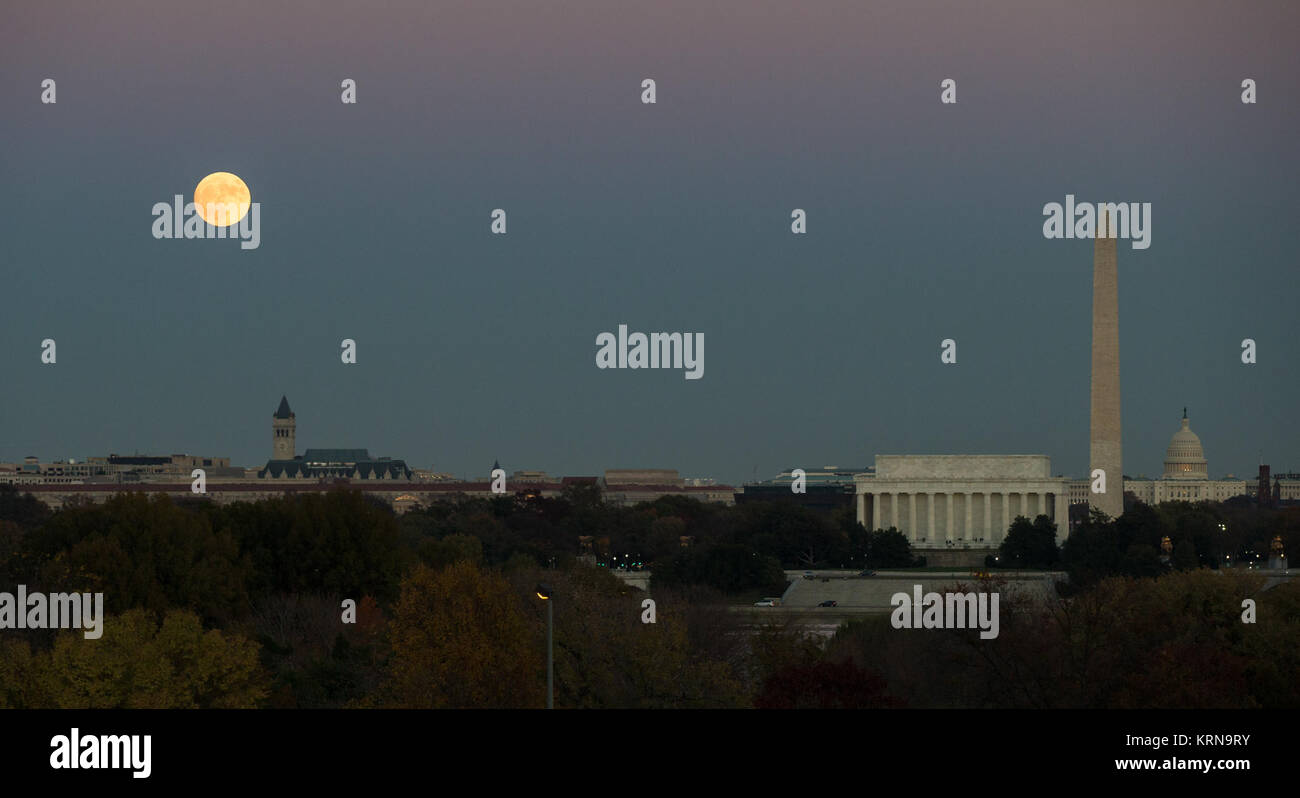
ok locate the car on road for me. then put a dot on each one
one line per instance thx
(827, 603)
(867, 572)
(807, 574)
(765, 603)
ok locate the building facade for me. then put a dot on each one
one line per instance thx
(117, 469)
(827, 488)
(964, 501)
(1185, 477)
(319, 464)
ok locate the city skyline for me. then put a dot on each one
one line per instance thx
(924, 223)
(277, 452)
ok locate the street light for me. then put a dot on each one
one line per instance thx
(545, 593)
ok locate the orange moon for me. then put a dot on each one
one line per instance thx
(218, 191)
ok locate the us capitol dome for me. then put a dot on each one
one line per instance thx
(1185, 459)
(1185, 479)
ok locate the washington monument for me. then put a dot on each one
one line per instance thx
(1104, 450)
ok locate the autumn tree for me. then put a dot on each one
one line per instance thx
(607, 657)
(460, 640)
(316, 660)
(141, 663)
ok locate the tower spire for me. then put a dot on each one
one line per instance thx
(1104, 450)
(283, 432)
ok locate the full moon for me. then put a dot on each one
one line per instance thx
(218, 191)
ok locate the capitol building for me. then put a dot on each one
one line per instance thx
(952, 506)
(1186, 476)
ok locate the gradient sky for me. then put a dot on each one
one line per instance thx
(925, 223)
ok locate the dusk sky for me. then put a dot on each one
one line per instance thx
(924, 223)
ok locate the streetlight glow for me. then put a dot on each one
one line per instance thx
(544, 592)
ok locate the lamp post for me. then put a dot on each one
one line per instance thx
(545, 593)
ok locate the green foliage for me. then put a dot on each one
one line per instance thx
(729, 568)
(1101, 547)
(1030, 545)
(1271, 658)
(606, 657)
(341, 542)
(452, 549)
(137, 664)
(519, 562)
(1141, 560)
(1175, 641)
(463, 627)
(23, 509)
(18, 675)
(776, 646)
(889, 548)
(14, 568)
(314, 660)
(796, 536)
(1185, 558)
(141, 553)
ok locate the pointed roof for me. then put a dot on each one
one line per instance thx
(283, 411)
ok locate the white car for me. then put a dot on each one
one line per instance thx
(765, 603)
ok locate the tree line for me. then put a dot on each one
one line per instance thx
(240, 606)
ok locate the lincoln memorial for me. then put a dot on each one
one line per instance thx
(961, 501)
